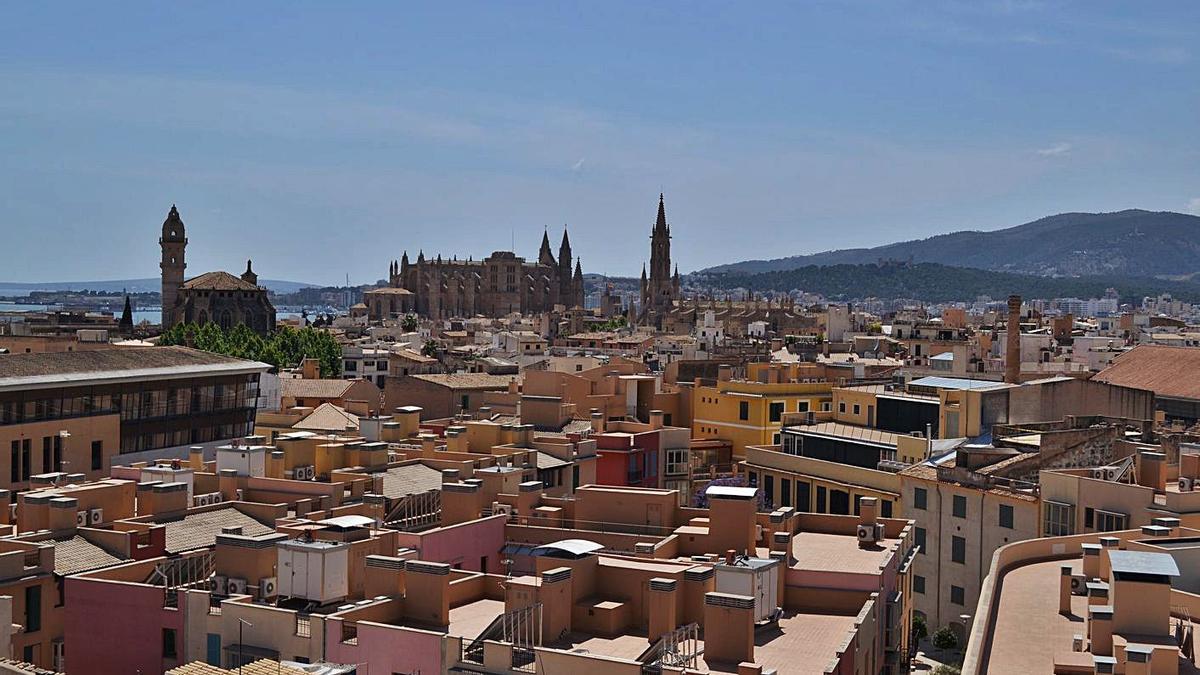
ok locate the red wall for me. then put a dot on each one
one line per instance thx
(461, 544)
(117, 628)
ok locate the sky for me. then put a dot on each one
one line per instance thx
(324, 139)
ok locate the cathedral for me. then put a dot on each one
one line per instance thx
(661, 290)
(502, 283)
(213, 296)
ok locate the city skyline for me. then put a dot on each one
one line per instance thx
(811, 128)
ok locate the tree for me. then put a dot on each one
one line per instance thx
(945, 639)
(945, 669)
(409, 324)
(430, 349)
(285, 348)
(920, 628)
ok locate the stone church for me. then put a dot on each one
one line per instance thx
(660, 291)
(502, 283)
(212, 296)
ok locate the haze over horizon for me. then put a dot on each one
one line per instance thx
(322, 142)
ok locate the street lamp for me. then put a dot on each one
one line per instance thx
(241, 659)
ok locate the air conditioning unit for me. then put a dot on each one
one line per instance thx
(1185, 484)
(1077, 643)
(81, 518)
(1110, 473)
(1078, 584)
(240, 494)
(215, 498)
(96, 516)
(1098, 473)
(867, 534)
(266, 587)
(219, 585)
(501, 508)
(237, 586)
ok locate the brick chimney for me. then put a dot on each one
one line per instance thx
(1012, 338)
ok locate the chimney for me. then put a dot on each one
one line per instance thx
(62, 514)
(310, 369)
(427, 592)
(729, 628)
(656, 419)
(1150, 470)
(867, 510)
(664, 607)
(597, 421)
(1064, 590)
(196, 458)
(724, 373)
(1091, 561)
(1012, 353)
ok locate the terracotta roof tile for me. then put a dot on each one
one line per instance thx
(1167, 371)
(219, 281)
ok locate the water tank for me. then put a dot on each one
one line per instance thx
(755, 577)
(313, 570)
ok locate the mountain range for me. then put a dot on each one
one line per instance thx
(1130, 243)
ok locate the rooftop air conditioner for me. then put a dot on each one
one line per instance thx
(219, 585)
(81, 518)
(237, 586)
(1185, 484)
(867, 534)
(266, 587)
(96, 516)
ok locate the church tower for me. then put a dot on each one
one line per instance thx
(173, 242)
(566, 283)
(660, 290)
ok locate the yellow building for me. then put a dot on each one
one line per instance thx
(751, 413)
(817, 486)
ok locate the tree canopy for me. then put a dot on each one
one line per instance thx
(284, 348)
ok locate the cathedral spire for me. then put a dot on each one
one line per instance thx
(545, 255)
(660, 225)
(126, 322)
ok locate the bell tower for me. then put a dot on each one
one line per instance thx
(173, 242)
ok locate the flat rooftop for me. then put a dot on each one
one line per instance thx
(61, 369)
(819, 552)
(1028, 632)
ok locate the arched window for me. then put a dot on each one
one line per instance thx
(226, 319)
(203, 318)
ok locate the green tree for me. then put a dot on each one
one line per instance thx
(430, 349)
(920, 627)
(409, 324)
(945, 639)
(284, 348)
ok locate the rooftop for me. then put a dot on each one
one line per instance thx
(200, 529)
(23, 371)
(328, 417)
(819, 552)
(1157, 368)
(407, 479)
(76, 554)
(466, 380)
(295, 387)
(847, 432)
(218, 281)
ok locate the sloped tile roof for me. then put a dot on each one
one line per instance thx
(328, 417)
(1168, 371)
(295, 387)
(219, 281)
(75, 555)
(200, 530)
(401, 481)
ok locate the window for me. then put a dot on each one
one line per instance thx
(15, 463)
(803, 500)
(958, 549)
(776, 411)
(26, 448)
(30, 653)
(802, 406)
(1089, 517)
(1006, 516)
(1107, 521)
(960, 506)
(919, 538)
(168, 643)
(1058, 519)
(920, 498)
(857, 408)
(46, 458)
(677, 460)
(769, 490)
(33, 608)
(785, 492)
(958, 595)
(885, 508)
(743, 410)
(97, 455)
(842, 407)
(820, 499)
(918, 584)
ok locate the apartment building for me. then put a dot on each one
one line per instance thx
(747, 412)
(365, 363)
(75, 412)
(814, 485)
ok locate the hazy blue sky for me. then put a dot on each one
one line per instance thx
(324, 138)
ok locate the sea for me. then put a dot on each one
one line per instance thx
(151, 314)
